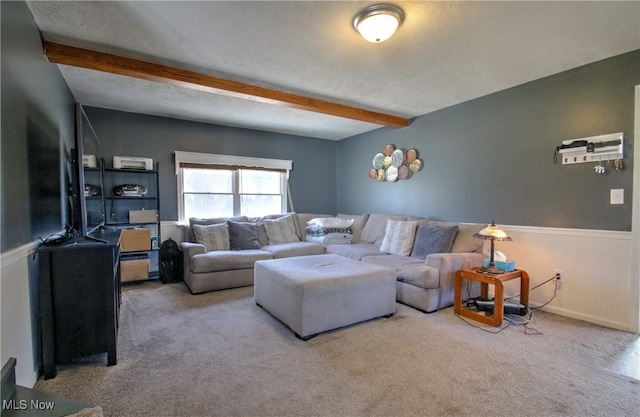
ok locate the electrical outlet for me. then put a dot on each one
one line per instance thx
(558, 273)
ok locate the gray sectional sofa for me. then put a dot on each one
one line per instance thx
(425, 254)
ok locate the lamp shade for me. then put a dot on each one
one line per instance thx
(492, 232)
(379, 22)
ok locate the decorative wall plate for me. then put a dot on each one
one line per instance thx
(395, 164)
(403, 172)
(378, 161)
(392, 174)
(411, 155)
(397, 158)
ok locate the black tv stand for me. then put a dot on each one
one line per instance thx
(79, 287)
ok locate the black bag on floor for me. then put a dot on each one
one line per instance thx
(170, 262)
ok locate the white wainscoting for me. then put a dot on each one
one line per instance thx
(16, 334)
(171, 229)
(597, 284)
(597, 281)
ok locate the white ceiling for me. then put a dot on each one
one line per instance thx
(443, 54)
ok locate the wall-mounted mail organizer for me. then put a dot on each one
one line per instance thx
(592, 149)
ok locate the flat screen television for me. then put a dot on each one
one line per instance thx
(47, 178)
(87, 143)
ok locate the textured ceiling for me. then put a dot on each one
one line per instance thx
(443, 54)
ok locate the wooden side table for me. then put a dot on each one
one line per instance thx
(485, 280)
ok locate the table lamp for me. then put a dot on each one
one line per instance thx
(492, 233)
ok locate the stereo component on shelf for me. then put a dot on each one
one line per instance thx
(92, 190)
(129, 190)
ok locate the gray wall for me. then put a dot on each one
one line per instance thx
(37, 133)
(312, 179)
(487, 159)
(492, 158)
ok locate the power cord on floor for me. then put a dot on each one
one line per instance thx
(525, 321)
(485, 329)
(508, 321)
(515, 319)
(555, 292)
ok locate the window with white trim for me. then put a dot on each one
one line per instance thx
(212, 185)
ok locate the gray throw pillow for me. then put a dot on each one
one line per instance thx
(433, 239)
(243, 235)
(211, 220)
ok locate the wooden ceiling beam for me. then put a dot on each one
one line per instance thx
(84, 58)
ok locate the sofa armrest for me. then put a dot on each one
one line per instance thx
(189, 250)
(450, 263)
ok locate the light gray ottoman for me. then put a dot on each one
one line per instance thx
(314, 294)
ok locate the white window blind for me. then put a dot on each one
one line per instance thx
(211, 185)
(183, 158)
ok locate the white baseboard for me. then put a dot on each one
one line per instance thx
(584, 317)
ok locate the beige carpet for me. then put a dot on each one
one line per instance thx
(218, 354)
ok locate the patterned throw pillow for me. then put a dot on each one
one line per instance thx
(375, 227)
(281, 230)
(213, 236)
(398, 237)
(433, 239)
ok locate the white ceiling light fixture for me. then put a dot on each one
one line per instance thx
(379, 22)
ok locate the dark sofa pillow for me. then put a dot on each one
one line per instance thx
(433, 239)
(211, 220)
(243, 235)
